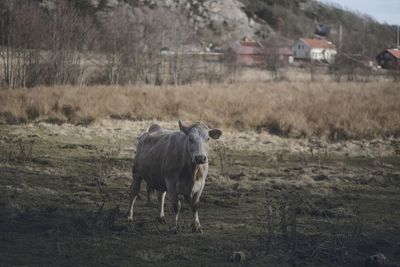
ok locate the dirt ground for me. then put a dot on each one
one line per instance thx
(274, 201)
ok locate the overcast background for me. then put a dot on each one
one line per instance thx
(382, 10)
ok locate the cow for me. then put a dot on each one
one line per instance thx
(175, 162)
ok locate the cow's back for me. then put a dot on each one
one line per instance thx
(160, 154)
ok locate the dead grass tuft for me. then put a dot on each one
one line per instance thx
(335, 110)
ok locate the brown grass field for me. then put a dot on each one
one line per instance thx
(333, 110)
(278, 200)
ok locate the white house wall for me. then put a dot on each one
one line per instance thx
(303, 51)
(323, 54)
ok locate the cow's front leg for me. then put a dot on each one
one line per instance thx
(161, 199)
(175, 208)
(196, 227)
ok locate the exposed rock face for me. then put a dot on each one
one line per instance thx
(213, 21)
(226, 19)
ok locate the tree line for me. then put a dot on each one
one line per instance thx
(62, 45)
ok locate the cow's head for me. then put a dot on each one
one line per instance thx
(198, 135)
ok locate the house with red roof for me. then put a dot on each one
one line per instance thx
(313, 49)
(248, 52)
(389, 59)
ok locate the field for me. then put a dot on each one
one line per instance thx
(319, 187)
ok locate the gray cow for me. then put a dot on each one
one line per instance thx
(175, 162)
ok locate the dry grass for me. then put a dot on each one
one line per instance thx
(335, 110)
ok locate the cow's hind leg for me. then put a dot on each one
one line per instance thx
(148, 203)
(161, 216)
(135, 188)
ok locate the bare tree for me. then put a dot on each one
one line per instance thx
(68, 36)
(20, 39)
(46, 46)
(272, 60)
(133, 40)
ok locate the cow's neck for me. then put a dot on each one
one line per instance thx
(197, 171)
(192, 166)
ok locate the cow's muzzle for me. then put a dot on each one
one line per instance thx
(200, 159)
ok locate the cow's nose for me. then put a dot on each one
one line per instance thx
(200, 159)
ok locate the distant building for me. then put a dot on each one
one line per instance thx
(322, 30)
(165, 51)
(285, 54)
(314, 50)
(389, 59)
(247, 52)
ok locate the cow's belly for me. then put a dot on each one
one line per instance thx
(156, 183)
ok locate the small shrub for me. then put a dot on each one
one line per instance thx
(85, 121)
(225, 160)
(69, 111)
(276, 127)
(338, 134)
(8, 117)
(32, 112)
(56, 106)
(55, 120)
(16, 150)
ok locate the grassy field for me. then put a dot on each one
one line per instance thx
(280, 202)
(338, 111)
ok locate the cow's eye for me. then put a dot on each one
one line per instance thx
(208, 138)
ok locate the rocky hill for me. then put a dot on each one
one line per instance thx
(223, 21)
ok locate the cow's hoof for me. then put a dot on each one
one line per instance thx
(196, 229)
(129, 219)
(162, 220)
(175, 230)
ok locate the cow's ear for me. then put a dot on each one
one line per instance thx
(182, 127)
(215, 133)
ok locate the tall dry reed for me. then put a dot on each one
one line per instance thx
(336, 110)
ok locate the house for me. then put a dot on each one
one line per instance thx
(165, 51)
(247, 52)
(285, 54)
(312, 49)
(389, 59)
